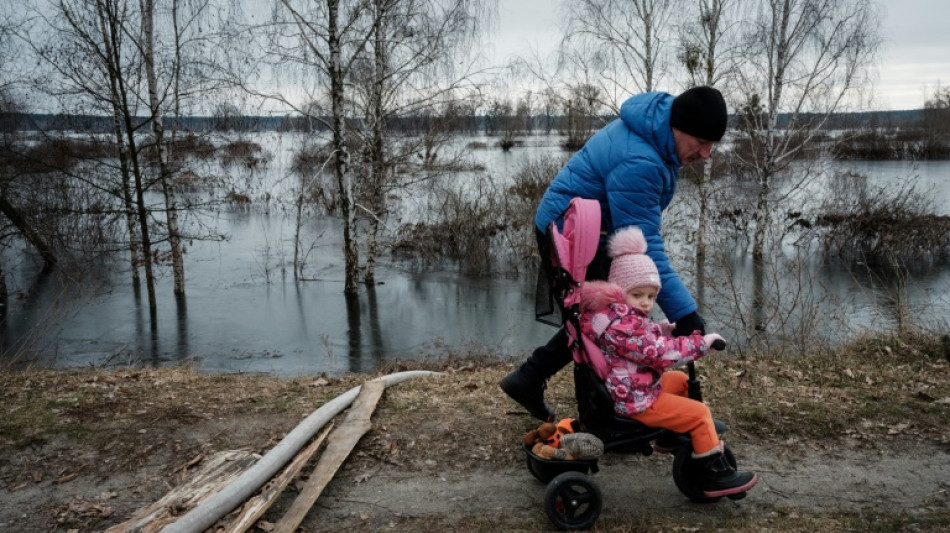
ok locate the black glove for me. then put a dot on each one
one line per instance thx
(689, 324)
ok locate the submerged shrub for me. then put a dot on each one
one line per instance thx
(310, 159)
(486, 229)
(574, 141)
(61, 154)
(311, 163)
(461, 229)
(194, 146)
(247, 153)
(883, 226)
(533, 178)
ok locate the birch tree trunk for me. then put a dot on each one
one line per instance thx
(114, 16)
(378, 121)
(158, 132)
(337, 74)
(711, 25)
(125, 174)
(700, 55)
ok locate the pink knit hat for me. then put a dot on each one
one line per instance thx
(630, 267)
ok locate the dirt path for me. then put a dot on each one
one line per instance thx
(792, 480)
(795, 481)
(83, 452)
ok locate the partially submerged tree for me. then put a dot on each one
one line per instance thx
(803, 60)
(104, 57)
(316, 43)
(12, 115)
(357, 66)
(708, 54)
(417, 62)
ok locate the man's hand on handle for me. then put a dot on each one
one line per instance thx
(689, 324)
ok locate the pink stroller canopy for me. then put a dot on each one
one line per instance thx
(575, 246)
(576, 243)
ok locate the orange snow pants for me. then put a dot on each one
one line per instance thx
(675, 411)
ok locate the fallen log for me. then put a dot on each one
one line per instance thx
(354, 426)
(219, 470)
(255, 508)
(227, 499)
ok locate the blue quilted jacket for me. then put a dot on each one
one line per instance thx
(630, 167)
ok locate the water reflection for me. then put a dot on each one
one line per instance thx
(181, 305)
(244, 312)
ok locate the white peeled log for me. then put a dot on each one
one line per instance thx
(218, 505)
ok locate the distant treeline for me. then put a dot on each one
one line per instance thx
(459, 123)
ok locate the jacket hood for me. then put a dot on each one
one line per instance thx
(648, 115)
(597, 295)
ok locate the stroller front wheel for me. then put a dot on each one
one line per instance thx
(573, 501)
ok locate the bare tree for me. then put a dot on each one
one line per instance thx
(104, 74)
(410, 68)
(104, 57)
(624, 42)
(11, 111)
(581, 110)
(713, 27)
(803, 60)
(156, 113)
(316, 43)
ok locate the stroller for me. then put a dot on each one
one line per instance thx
(572, 500)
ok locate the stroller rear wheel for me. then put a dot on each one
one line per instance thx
(573, 501)
(687, 475)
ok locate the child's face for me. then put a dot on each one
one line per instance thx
(641, 298)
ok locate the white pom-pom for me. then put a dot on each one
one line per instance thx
(627, 241)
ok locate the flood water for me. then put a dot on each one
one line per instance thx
(245, 313)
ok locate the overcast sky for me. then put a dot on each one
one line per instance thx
(915, 57)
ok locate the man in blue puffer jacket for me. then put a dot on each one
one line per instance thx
(630, 167)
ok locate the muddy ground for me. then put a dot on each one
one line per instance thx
(82, 451)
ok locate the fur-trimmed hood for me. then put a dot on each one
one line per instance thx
(597, 295)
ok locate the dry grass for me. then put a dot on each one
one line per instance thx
(876, 390)
(60, 425)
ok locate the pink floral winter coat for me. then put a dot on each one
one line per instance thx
(636, 349)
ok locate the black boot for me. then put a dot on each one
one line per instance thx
(719, 478)
(528, 392)
(526, 384)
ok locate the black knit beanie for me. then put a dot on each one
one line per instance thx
(700, 112)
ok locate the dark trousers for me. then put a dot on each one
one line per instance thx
(547, 360)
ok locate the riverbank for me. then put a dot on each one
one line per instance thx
(841, 440)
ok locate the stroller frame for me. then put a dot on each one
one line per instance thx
(572, 500)
(572, 248)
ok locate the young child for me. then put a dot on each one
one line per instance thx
(638, 351)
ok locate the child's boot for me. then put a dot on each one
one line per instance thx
(719, 478)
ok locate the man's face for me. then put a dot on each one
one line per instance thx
(691, 149)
